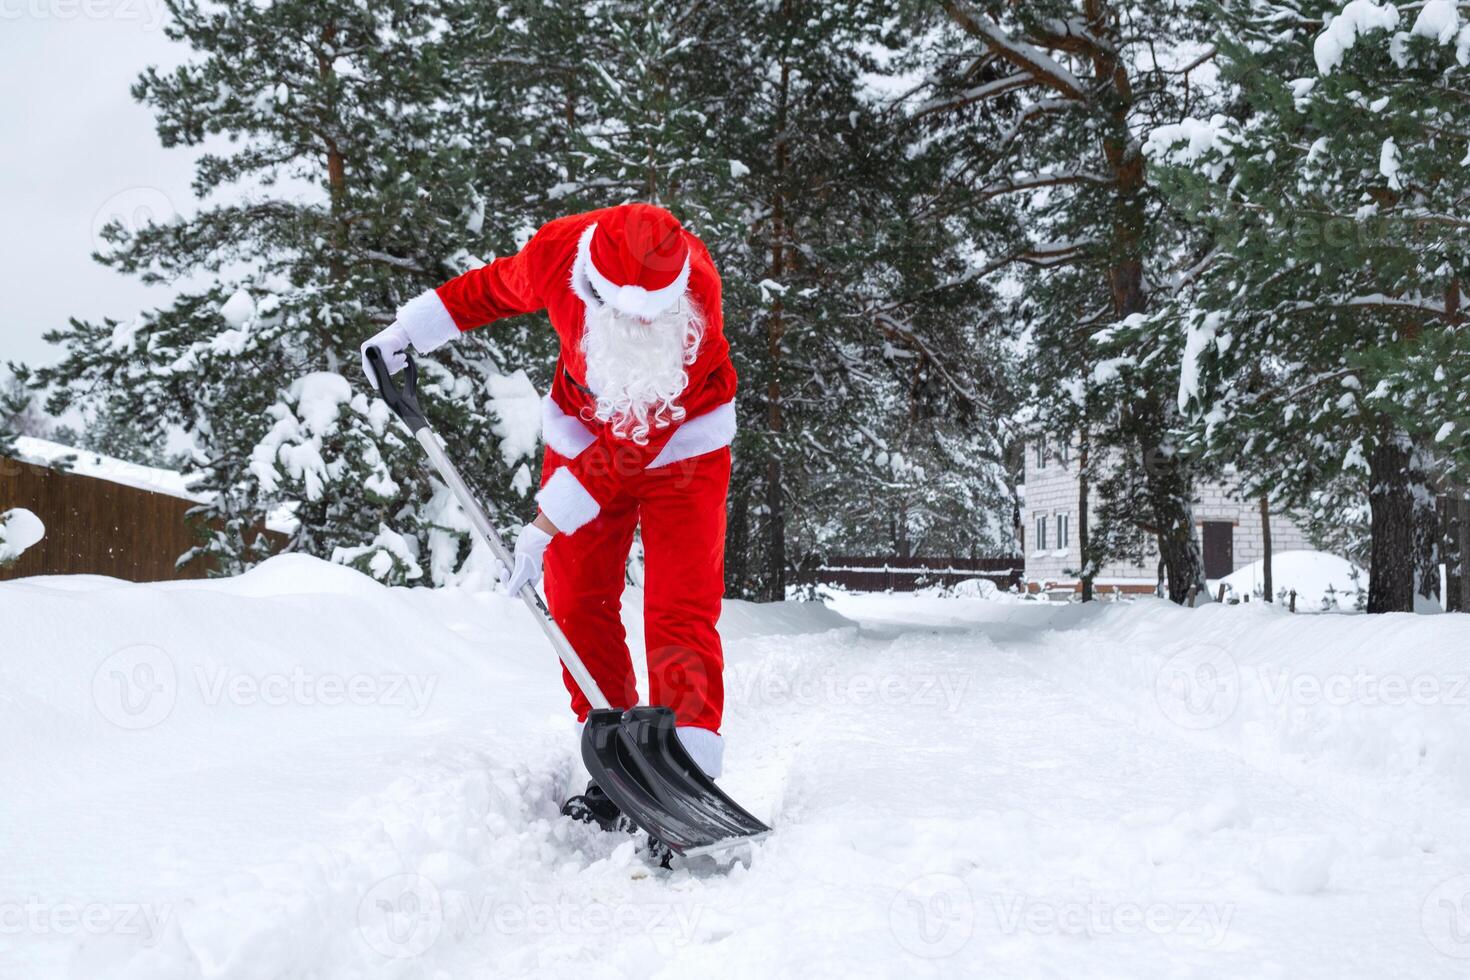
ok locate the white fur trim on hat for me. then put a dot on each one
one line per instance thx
(562, 432)
(694, 437)
(566, 502)
(427, 322)
(632, 300)
(704, 747)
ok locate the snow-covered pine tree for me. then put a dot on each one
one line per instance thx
(1318, 353)
(870, 419)
(337, 180)
(1073, 87)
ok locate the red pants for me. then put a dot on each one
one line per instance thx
(681, 508)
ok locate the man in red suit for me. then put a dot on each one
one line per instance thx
(637, 428)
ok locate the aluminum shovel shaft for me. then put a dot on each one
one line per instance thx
(404, 403)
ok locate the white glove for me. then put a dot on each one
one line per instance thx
(530, 550)
(392, 343)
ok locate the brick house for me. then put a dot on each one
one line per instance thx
(1229, 528)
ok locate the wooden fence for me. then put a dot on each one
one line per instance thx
(97, 527)
(880, 574)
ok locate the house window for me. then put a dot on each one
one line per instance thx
(1064, 454)
(1041, 532)
(1041, 452)
(1064, 529)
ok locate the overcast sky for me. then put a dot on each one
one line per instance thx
(75, 148)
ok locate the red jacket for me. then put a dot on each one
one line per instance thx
(540, 277)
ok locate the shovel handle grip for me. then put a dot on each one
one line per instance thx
(404, 401)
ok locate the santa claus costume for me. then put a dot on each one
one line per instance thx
(637, 427)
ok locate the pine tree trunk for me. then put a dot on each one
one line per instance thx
(1428, 531)
(1391, 504)
(1168, 484)
(1449, 522)
(775, 333)
(336, 163)
(737, 539)
(1084, 530)
(1179, 547)
(1169, 490)
(1457, 559)
(1266, 550)
(776, 525)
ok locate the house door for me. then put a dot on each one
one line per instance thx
(1219, 548)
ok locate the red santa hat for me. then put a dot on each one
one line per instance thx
(636, 259)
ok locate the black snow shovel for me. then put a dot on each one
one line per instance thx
(634, 755)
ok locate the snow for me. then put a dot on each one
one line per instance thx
(1343, 31)
(1199, 338)
(1389, 163)
(1189, 141)
(86, 463)
(152, 478)
(19, 529)
(387, 550)
(517, 410)
(318, 397)
(296, 439)
(238, 310)
(301, 772)
(1438, 19)
(1311, 573)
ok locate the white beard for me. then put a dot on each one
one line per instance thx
(638, 369)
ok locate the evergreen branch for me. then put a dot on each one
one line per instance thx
(1028, 58)
(895, 328)
(979, 93)
(1015, 185)
(392, 260)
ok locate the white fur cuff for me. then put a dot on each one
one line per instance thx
(699, 435)
(427, 323)
(566, 502)
(704, 747)
(563, 432)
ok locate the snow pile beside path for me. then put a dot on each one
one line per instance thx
(302, 772)
(743, 619)
(1320, 580)
(1381, 699)
(19, 529)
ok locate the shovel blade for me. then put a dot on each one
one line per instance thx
(638, 760)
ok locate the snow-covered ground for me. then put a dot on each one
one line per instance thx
(300, 773)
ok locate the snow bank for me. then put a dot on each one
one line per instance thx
(19, 529)
(230, 774)
(1342, 702)
(301, 772)
(1321, 581)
